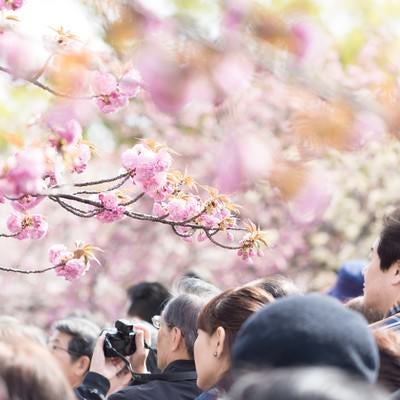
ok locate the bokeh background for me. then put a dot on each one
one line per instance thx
(290, 107)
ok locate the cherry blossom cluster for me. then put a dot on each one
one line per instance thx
(112, 94)
(71, 264)
(66, 138)
(11, 4)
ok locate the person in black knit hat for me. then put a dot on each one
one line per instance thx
(311, 330)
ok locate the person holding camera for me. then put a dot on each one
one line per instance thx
(110, 371)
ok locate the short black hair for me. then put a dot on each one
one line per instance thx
(147, 299)
(83, 332)
(389, 243)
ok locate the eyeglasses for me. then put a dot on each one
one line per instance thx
(53, 346)
(156, 321)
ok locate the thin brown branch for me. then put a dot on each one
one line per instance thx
(13, 235)
(134, 200)
(40, 85)
(93, 183)
(115, 187)
(182, 235)
(224, 246)
(27, 271)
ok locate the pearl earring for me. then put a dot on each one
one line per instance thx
(215, 354)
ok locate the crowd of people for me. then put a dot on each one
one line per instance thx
(263, 340)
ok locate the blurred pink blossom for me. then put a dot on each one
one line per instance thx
(241, 160)
(164, 79)
(70, 131)
(313, 199)
(26, 202)
(111, 94)
(27, 226)
(367, 127)
(81, 157)
(22, 173)
(59, 254)
(130, 83)
(232, 73)
(18, 55)
(11, 4)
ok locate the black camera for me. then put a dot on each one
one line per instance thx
(120, 340)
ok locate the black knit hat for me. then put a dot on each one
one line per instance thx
(307, 330)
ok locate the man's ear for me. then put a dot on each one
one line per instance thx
(177, 338)
(395, 272)
(81, 365)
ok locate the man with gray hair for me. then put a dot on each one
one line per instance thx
(177, 331)
(72, 343)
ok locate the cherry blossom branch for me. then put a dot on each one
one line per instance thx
(5, 235)
(182, 235)
(117, 186)
(40, 85)
(134, 200)
(27, 271)
(93, 183)
(224, 246)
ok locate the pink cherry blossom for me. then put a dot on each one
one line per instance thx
(59, 254)
(164, 79)
(159, 209)
(232, 73)
(82, 155)
(103, 83)
(113, 211)
(23, 172)
(161, 193)
(313, 199)
(182, 209)
(71, 132)
(130, 83)
(366, 128)
(11, 4)
(111, 102)
(27, 227)
(18, 55)
(72, 269)
(149, 170)
(111, 94)
(26, 202)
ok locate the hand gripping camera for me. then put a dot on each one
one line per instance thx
(120, 340)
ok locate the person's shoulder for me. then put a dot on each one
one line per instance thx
(125, 394)
(139, 392)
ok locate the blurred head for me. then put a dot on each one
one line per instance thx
(218, 324)
(30, 372)
(195, 286)
(177, 330)
(147, 299)
(310, 330)
(382, 274)
(11, 327)
(72, 343)
(370, 314)
(303, 384)
(389, 353)
(277, 285)
(350, 281)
